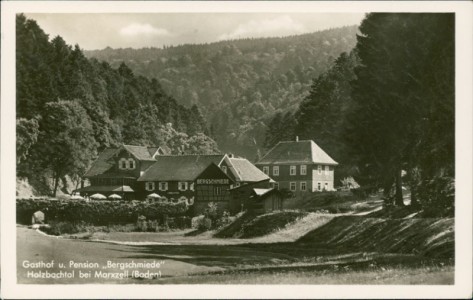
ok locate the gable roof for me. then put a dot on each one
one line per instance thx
(306, 151)
(102, 163)
(179, 167)
(213, 171)
(140, 152)
(244, 170)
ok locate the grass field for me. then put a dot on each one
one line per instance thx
(290, 247)
(344, 276)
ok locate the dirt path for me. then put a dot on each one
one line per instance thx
(35, 247)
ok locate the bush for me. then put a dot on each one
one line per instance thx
(437, 196)
(59, 228)
(96, 212)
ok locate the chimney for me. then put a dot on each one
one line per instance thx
(297, 138)
(231, 155)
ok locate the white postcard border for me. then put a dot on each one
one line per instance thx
(464, 111)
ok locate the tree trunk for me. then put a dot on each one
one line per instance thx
(388, 183)
(414, 181)
(414, 201)
(56, 184)
(398, 199)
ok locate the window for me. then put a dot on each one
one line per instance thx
(217, 191)
(149, 186)
(326, 186)
(131, 163)
(266, 170)
(190, 201)
(163, 186)
(292, 170)
(319, 186)
(303, 170)
(276, 186)
(276, 170)
(191, 186)
(303, 186)
(319, 167)
(293, 186)
(122, 164)
(327, 169)
(182, 186)
(224, 169)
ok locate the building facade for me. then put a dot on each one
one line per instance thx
(116, 171)
(138, 173)
(299, 166)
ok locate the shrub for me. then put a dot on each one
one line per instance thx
(58, 228)
(96, 212)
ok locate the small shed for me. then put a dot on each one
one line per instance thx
(266, 200)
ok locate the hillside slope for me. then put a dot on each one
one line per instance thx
(239, 84)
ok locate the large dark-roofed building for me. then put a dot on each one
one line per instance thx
(299, 166)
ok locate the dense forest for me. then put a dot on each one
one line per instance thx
(238, 84)
(382, 108)
(70, 107)
(386, 110)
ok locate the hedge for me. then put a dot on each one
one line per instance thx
(96, 212)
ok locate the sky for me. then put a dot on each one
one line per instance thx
(138, 30)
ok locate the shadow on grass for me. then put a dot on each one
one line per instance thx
(429, 238)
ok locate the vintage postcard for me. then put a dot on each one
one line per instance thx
(236, 149)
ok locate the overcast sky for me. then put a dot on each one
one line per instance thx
(97, 31)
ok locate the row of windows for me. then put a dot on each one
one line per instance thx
(303, 186)
(189, 201)
(293, 170)
(126, 164)
(112, 181)
(164, 186)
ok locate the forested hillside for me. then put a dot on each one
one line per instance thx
(386, 110)
(238, 84)
(70, 107)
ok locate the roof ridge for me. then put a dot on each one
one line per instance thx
(180, 155)
(269, 151)
(237, 173)
(296, 141)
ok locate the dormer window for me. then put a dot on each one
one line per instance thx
(131, 163)
(224, 169)
(123, 164)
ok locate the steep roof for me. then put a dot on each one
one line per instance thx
(179, 167)
(306, 151)
(244, 170)
(140, 152)
(102, 163)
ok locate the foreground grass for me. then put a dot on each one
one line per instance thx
(332, 275)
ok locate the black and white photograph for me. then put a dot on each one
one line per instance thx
(171, 148)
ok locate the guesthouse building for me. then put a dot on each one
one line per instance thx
(139, 173)
(299, 166)
(116, 171)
